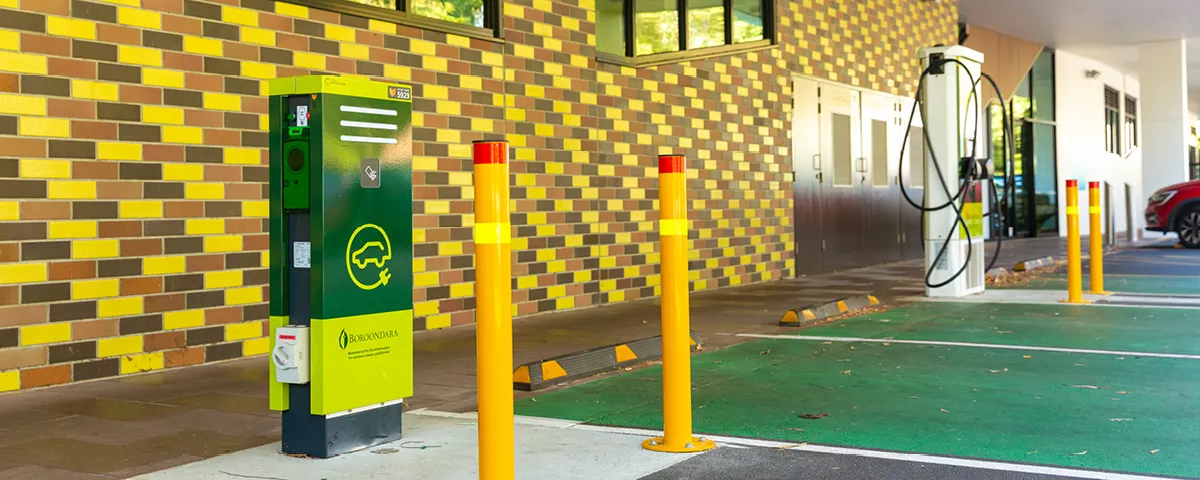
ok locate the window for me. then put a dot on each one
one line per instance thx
(879, 153)
(656, 28)
(1112, 120)
(475, 18)
(916, 157)
(1131, 136)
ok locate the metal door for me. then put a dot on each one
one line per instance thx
(912, 174)
(806, 166)
(880, 146)
(842, 190)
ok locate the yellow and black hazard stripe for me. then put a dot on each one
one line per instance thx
(814, 313)
(544, 373)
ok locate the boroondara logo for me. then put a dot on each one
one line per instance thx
(343, 340)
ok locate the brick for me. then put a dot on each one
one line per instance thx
(39, 85)
(141, 286)
(113, 72)
(275, 55)
(56, 7)
(203, 81)
(87, 330)
(22, 188)
(162, 153)
(23, 315)
(194, 8)
(45, 376)
(185, 357)
(66, 67)
(103, 52)
(222, 316)
(109, 367)
(72, 352)
(14, 231)
(121, 267)
(227, 138)
(10, 82)
(202, 336)
(116, 190)
(14, 358)
(120, 228)
(183, 210)
(140, 133)
(241, 51)
(9, 337)
(241, 121)
(94, 210)
(169, 6)
(45, 292)
(183, 98)
(256, 277)
(214, 353)
(10, 252)
(69, 108)
(72, 270)
(118, 111)
(205, 263)
(72, 149)
(162, 40)
(205, 299)
(27, 21)
(93, 130)
(183, 61)
(141, 247)
(222, 66)
(52, 210)
(243, 86)
(165, 303)
(164, 228)
(225, 173)
(259, 311)
(164, 341)
(33, 251)
(203, 118)
(183, 283)
(141, 94)
(61, 312)
(118, 34)
(8, 124)
(141, 324)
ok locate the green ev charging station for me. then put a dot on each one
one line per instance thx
(341, 261)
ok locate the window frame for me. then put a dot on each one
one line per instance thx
(631, 59)
(1113, 123)
(1129, 122)
(493, 17)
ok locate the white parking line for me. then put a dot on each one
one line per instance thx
(974, 345)
(738, 442)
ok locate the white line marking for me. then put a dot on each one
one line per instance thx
(376, 126)
(976, 345)
(357, 139)
(737, 442)
(366, 110)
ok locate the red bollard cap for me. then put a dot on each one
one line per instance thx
(491, 152)
(671, 163)
(1092, 185)
(1070, 183)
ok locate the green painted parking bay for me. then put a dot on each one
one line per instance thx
(1112, 412)
(1139, 284)
(1157, 330)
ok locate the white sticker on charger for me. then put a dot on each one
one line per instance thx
(301, 254)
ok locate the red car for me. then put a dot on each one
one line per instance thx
(1176, 208)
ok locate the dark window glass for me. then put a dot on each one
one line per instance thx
(1045, 178)
(1131, 135)
(747, 20)
(657, 26)
(1043, 86)
(610, 19)
(706, 23)
(1112, 120)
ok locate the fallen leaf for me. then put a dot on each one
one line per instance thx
(1080, 453)
(826, 343)
(1122, 393)
(1031, 453)
(1027, 356)
(994, 371)
(1003, 331)
(814, 416)
(796, 429)
(847, 372)
(385, 451)
(852, 347)
(944, 410)
(764, 352)
(1091, 387)
(886, 344)
(1120, 419)
(1154, 451)
(532, 399)
(914, 396)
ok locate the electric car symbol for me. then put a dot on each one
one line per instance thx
(373, 253)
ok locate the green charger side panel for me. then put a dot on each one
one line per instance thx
(277, 250)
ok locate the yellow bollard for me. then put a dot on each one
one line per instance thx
(493, 314)
(1074, 264)
(676, 370)
(1096, 257)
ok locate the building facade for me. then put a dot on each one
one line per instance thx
(133, 134)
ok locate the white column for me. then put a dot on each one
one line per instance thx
(1164, 113)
